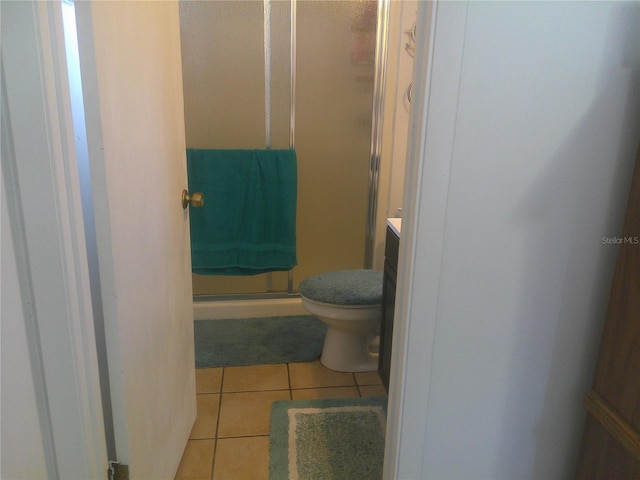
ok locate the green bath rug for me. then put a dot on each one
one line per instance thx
(328, 439)
(257, 341)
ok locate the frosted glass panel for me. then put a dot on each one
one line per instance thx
(223, 75)
(333, 127)
(224, 71)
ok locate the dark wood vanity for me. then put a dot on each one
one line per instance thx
(388, 298)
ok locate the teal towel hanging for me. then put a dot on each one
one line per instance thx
(247, 225)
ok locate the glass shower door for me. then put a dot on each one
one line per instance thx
(227, 106)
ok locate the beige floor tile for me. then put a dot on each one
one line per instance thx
(368, 378)
(256, 377)
(373, 391)
(242, 459)
(208, 380)
(207, 419)
(197, 460)
(244, 414)
(327, 392)
(314, 374)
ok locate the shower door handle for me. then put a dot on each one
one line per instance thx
(195, 199)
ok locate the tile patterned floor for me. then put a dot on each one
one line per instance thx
(230, 437)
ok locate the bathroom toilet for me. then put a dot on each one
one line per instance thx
(349, 302)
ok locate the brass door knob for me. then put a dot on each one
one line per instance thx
(195, 199)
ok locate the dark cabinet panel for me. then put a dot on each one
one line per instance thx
(388, 305)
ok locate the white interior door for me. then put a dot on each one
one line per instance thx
(132, 83)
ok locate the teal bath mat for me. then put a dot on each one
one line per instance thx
(257, 341)
(327, 439)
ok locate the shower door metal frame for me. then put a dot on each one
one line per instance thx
(269, 294)
(267, 117)
(377, 122)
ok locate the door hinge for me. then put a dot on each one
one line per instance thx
(118, 471)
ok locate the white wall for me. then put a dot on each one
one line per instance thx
(526, 147)
(23, 454)
(395, 127)
(402, 66)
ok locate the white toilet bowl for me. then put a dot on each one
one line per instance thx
(350, 304)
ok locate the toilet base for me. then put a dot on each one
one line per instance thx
(348, 352)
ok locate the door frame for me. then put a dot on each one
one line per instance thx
(46, 218)
(435, 93)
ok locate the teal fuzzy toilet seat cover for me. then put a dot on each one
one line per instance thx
(345, 287)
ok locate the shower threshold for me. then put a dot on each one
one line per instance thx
(243, 296)
(211, 307)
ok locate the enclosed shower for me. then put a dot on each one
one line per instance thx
(281, 74)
